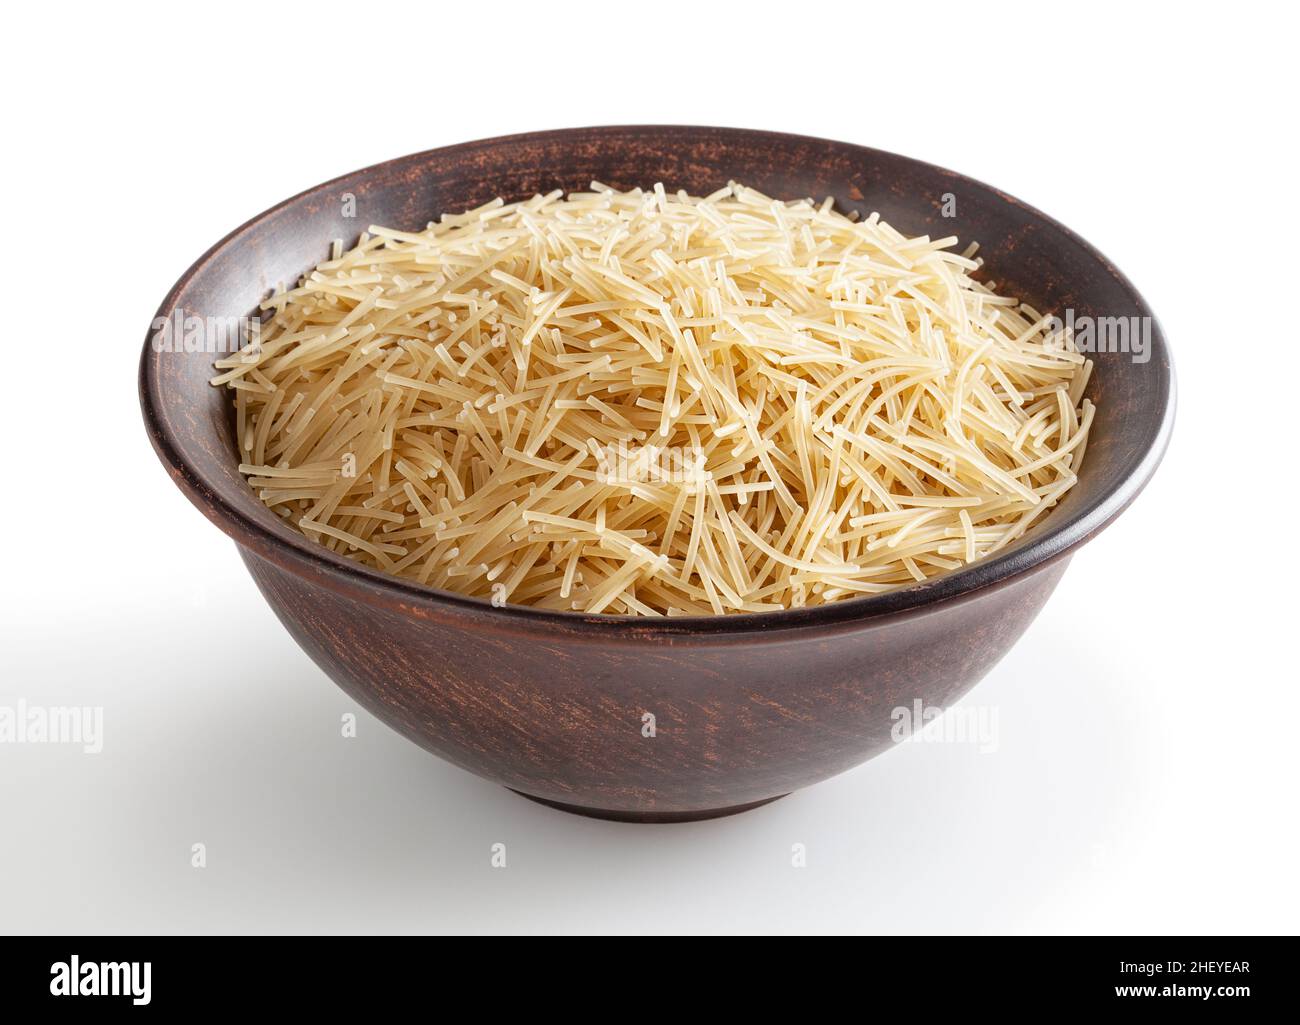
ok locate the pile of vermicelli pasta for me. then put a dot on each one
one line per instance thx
(655, 404)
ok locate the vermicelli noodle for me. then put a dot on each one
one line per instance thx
(649, 403)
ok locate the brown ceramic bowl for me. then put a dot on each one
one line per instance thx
(749, 707)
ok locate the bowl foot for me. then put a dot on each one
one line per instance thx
(648, 816)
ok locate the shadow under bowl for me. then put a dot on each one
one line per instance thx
(746, 708)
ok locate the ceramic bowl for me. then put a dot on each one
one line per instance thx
(746, 708)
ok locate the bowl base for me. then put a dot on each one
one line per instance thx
(615, 815)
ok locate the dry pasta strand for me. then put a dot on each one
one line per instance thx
(649, 403)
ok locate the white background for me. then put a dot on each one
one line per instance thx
(1146, 771)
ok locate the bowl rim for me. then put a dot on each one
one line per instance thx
(298, 554)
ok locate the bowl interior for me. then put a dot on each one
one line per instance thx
(1026, 253)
